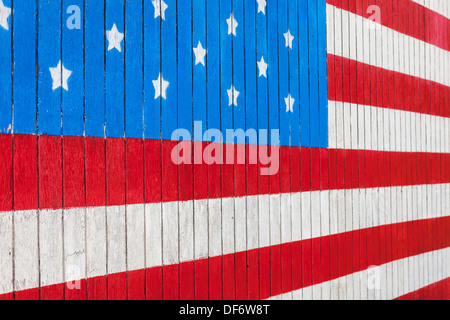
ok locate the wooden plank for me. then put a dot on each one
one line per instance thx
(170, 219)
(200, 174)
(115, 151)
(6, 189)
(152, 149)
(52, 77)
(274, 39)
(134, 157)
(73, 165)
(185, 171)
(263, 286)
(95, 156)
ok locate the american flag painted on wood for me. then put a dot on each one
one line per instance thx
(95, 95)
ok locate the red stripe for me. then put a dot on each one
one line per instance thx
(436, 291)
(434, 31)
(170, 287)
(395, 170)
(415, 98)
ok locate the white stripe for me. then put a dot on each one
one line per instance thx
(372, 277)
(408, 140)
(376, 32)
(435, 6)
(304, 225)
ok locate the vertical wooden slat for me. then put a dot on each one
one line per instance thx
(263, 285)
(294, 154)
(95, 155)
(230, 29)
(284, 228)
(185, 171)
(73, 153)
(252, 74)
(200, 174)
(49, 150)
(274, 36)
(6, 126)
(152, 150)
(26, 251)
(170, 214)
(115, 151)
(239, 112)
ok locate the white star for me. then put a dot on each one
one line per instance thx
(262, 6)
(160, 87)
(200, 54)
(160, 8)
(4, 15)
(60, 75)
(232, 25)
(289, 103)
(114, 38)
(262, 65)
(233, 94)
(289, 38)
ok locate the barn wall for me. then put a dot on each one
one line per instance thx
(342, 192)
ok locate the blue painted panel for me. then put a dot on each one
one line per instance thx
(283, 72)
(251, 69)
(226, 65)
(239, 65)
